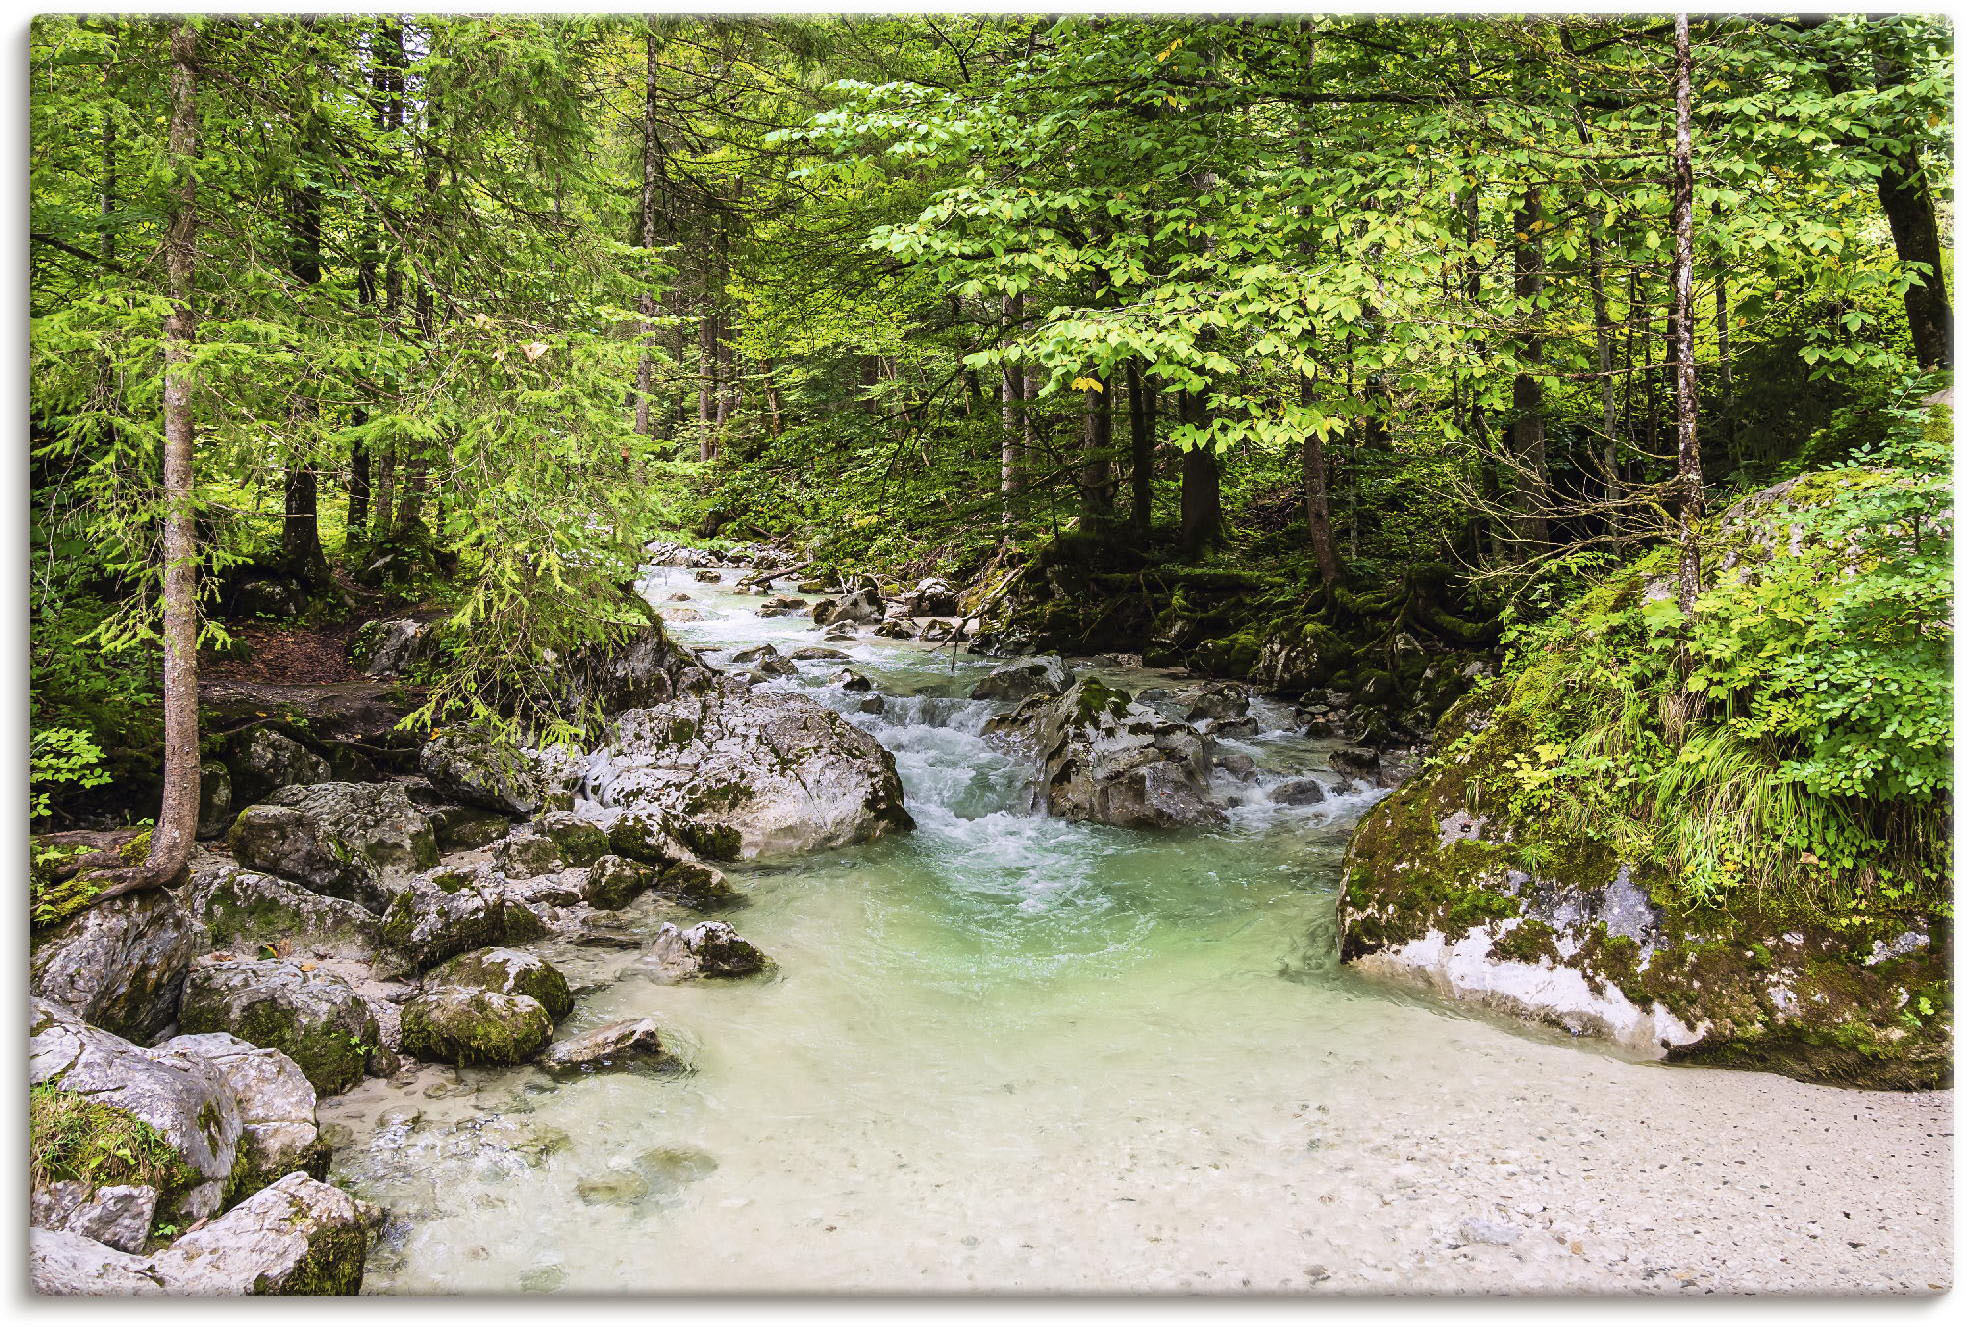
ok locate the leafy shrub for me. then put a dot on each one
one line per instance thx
(71, 1137)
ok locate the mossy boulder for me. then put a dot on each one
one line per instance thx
(1447, 890)
(581, 842)
(298, 1236)
(442, 913)
(313, 1016)
(509, 972)
(240, 909)
(467, 1026)
(614, 882)
(478, 771)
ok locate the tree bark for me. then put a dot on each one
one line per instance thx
(1012, 393)
(1907, 201)
(1140, 469)
(1202, 491)
(1317, 498)
(1527, 391)
(177, 817)
(1096, 461)
(1687, 443)
(645, 367)
(301, 555)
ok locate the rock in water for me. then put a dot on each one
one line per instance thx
(1110, 760)
(336, 838)
(742, 773)
(119, 964)
(628, 1043)
(296, 1237)
(459, 1025)
(1517, 914)
(509, 972)
(313, 1017)
(1045, 675)
(708, 949)
(932, 597)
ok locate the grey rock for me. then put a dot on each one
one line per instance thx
(313, 1016)
(708, 575)
(443, 913)
(182, 1096)
(391, 648)
(1237, 764)
(118, 1215)
(628, 1043)
(615, 882)
(932, 597)
(581, 842)
(750, 773)
(1298, 792)
(278, 1131)
(1359, 763)
(818, 652)
(465, 828)
(1110, 760)
(1220, 700)
(341, 839)
(1044, 675)
(708, 949)
(1478, 1230)
(477, 771)
(214, 799)
(261, 760)
(61, 1262)
(119, 964)
(296, 1237)
(849, 680)
(524, 854)
(243, 909)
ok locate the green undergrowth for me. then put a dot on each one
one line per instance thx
(1794, 741)
(73, 1138)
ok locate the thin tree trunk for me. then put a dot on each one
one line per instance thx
(1607, 335)
(645, 367)
(1527, 391)
(1096, 462)
(301, 555)
(1140, 469)
(1724, 367)
(772, 404)
(1687, 442)
(1012, 393)
(177, 817)
(1317, 499)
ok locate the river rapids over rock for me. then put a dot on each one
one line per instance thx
(1012, 1052)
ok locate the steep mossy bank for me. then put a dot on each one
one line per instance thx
(1686, 839)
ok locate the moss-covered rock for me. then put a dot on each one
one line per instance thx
(465, 1026)
(1446, 889)
(509, 972)
(311, 1015)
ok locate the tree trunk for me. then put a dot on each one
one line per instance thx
(1527, 391)
(1907, 200)
(1096, 462)
(651, 173)
(177, 817)
(1317, 498)
(1202, 492)
(1011, 391)
(301, 555)
(1687, 443)
(1140, 469)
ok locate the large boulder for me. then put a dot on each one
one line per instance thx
(467, 1026)
(448, 912)
(862, 605)
(343, 839)
(1106, 758)
(295, 1237)
(478, 771)
(278, 1133)
(932, 597)
(1447, 890)
(240, 909)
(645, 669)
(313, 1016)
(740, 773)
(182, 1097)
(119, 964)
(261, 760)
(1045, 675)
(509, 972)
(391, 647)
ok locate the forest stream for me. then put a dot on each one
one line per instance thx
(1013, 1052)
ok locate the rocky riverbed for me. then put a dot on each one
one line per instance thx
(963, 973)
